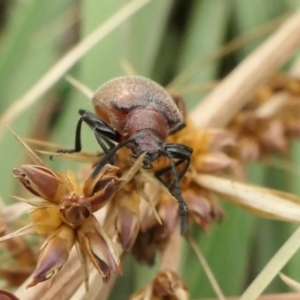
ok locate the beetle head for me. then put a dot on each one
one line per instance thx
(146, 141)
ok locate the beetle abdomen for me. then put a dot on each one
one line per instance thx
(118, 97)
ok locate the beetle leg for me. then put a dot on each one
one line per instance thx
(105, 149)
(77, 147)
(177, 129)
(178, 150)
(183, 153)
(101, 127)
(163, 171)
(107, 157)
(176, 192)
(101, 130)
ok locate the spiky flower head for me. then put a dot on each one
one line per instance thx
(64, 212)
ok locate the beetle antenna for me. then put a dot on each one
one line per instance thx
(174, 189)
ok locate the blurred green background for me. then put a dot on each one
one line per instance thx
(160, 41)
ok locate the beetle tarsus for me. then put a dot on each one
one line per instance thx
(183, 217)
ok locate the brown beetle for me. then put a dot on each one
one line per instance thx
(138, 113)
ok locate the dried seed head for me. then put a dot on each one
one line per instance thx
(68, 218)
(265, 125)
(165, 285)
(74, 210)
(168, 283)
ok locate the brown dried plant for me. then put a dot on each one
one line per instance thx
(64, 212)
(269, 121)
(165, 285)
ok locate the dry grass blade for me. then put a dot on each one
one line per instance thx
(206, 268)
(148, 177)
(290, 282)
(226, 49)
(86, 269)
(42, 143)
(86, 91)
(94, 286)
(235, 90)
(12, 212)
(30, 152)
(131, 172)
(82, 156)
(33, 201)
(69, 17)
(151, 202)
(296, 68)
(272, 106)
(158, 186)
(286, 296)
(67, 61)
(2, 203)
(22, 231)
(264, 202)
(127, 67)
(273, 267)
(171, 255)
(104, 293)
(282, 165)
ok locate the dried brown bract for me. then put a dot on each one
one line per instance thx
(123, 209)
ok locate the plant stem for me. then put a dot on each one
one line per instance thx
(235, 90)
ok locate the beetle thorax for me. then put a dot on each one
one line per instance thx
(145, 118)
